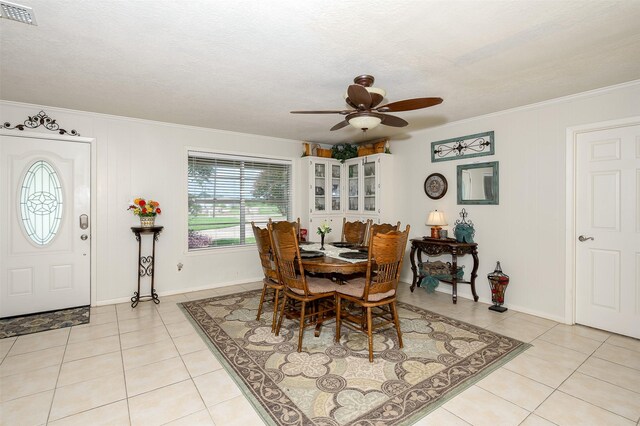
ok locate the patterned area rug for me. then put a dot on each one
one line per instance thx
(27, 324)
(330, 384)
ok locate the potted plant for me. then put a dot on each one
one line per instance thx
(344, 151)
(323, 230)
(147, 210)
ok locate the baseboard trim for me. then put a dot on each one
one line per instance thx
(182, 290)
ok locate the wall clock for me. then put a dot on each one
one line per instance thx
(435, 186)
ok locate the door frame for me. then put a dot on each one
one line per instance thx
(570, 205)
(94, 199)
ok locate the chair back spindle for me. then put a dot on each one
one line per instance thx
(381, 228)
(265, 251)
(285, 245)
(354, 232)
(386, 253)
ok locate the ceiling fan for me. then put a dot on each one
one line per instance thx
(365, 98)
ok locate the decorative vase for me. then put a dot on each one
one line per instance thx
(321, 241)
(147, 221)
(498, 282)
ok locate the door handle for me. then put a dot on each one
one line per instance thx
(84, 221)
(582, 238)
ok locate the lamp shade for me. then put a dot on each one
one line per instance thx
(436, 218)
(364, 120)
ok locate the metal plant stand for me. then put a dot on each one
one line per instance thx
(146, 263)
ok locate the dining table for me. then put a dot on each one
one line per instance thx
(331, 262)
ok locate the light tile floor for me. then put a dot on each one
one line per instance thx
(148, 366)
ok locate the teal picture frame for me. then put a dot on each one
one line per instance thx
(482, 184)
(476, 145)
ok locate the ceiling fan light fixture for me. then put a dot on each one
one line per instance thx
(364, 120)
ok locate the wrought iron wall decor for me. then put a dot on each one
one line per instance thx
(40, 119)
(476, 145)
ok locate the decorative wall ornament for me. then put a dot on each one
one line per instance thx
(463, 229)
(40, 119)
(477, 145)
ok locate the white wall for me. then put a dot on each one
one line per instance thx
(145, 158)
(526, 232)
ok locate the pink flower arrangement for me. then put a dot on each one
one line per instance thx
(142, 207)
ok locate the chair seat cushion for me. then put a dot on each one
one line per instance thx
(271, 283)
(355, 288)
(317, 285)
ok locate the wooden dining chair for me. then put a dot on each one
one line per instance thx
(381, 228)
(375, 291)
(271, 280)
(295, 224)
(354, 232)
(318, 293)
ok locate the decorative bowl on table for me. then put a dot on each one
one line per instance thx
(310, 254)
(343, 244)
(355, 255)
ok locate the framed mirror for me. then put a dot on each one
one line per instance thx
(479, 183)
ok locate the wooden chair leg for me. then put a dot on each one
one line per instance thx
(337, 303)
(264, 292)
(275, 310)
(284, 303)
(397, 322)
(301, 326)
(370, 333)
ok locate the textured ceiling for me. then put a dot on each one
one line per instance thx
(243, 65)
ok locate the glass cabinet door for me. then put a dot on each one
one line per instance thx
(352, 174)
(369, 187)
(319, 187)
(336, 184)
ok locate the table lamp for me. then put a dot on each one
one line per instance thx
(436, 220)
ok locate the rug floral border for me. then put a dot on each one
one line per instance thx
(275, 407)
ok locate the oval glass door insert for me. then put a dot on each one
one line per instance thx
(41, 202)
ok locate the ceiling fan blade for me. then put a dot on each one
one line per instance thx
(320, 112)
(410, 104)
(376, 98)
(340, 125)
(393, 121)
(359, 96)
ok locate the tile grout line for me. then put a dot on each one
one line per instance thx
(98, 406)
(557, 389)
(185, 367)
(10, 347)
(124, 372)
(450, 412)
(534, 414)
(55, 386)
(597, 406)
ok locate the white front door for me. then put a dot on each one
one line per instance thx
(44, 225)
(608, 230)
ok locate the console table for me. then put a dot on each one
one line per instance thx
(146, 263)
(437, 247)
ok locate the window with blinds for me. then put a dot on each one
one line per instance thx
(227, 193)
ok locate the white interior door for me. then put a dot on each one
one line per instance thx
(44, 225)
(608, 230)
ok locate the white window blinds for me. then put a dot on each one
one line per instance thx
(227, 193)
